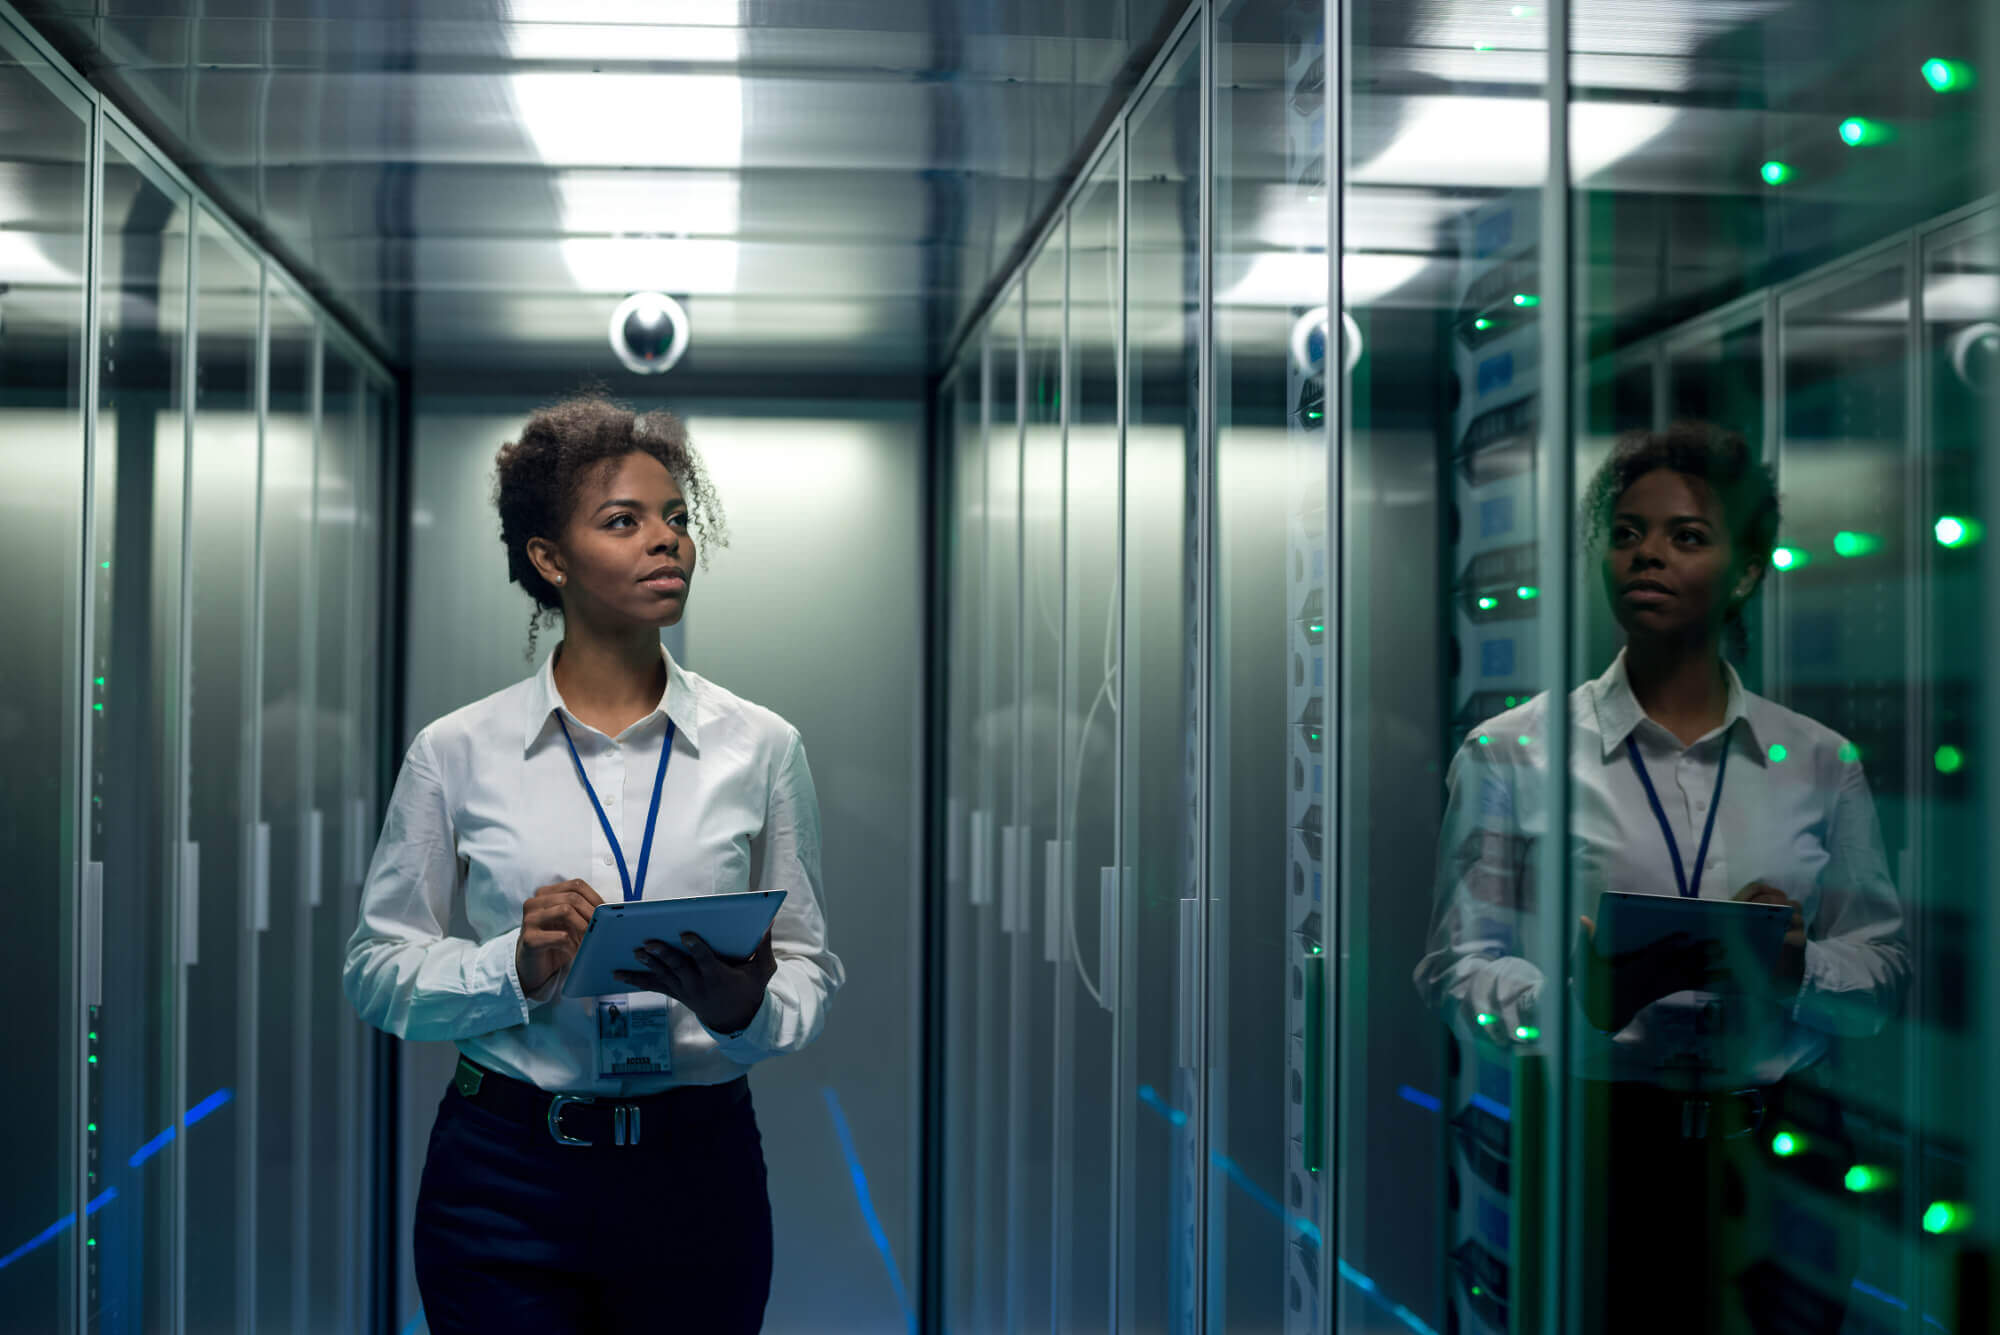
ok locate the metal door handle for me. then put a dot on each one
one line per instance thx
(1052, 933)
(190, 903)
(1190, 951)
(1107, 936)
(260, 877)
(315, 854)
(91, 928)
(1010, 879)
(982, 881)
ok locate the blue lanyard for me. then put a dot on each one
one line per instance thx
(632, 891)
(1660, 814)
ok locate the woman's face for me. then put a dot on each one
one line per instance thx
(627, 553)
(1670, 566)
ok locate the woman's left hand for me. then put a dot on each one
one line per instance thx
(1790, 972)
(723, 994)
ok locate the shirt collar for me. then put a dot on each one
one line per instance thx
(678, 702)
(1618, 711)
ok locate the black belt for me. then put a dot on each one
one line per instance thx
(586, 1119)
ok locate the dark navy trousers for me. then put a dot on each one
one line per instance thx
(516, 1232)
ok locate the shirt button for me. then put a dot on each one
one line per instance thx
(605, 860)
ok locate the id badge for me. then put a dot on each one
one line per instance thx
(633, 1030)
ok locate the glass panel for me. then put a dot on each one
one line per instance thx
(135, 607)
(221, 991)
(43, 151)
(1040, 942)
(1447, 553)
(1266, 1201)
(1085, 1072)
(1756, 226)
(1158, 1169)
(965, 833)
(1001, 1060)
(334, 902)
(285, 972)
(1947, 878)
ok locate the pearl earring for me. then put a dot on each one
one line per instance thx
(559, 579)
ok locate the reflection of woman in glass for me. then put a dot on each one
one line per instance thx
(1681, 783)
(596, 1162)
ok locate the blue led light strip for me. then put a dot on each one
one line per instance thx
(867, 1204)
(110, 1194)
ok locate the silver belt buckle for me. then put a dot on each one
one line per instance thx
(556, 1106)
(624, 1124)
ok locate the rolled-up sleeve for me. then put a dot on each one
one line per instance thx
(1857, 958)
(1473, 965)
(405, 973)
(786, 856)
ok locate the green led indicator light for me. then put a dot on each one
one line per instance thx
(93, 1059)
(1314, 414)
(1775, 173)
(92, 1242)
(1527, 1033)
(1948, 76)
(1849, 752)
(1857, 132)
(1482, 324)
(1485, 1019)
(1484, 740)
(1849, 543)
(1482, 46)
(1785, 1144)
(1949, 760)
(1511, 702)
(1522, 739)
(93, 1035)
(1957, 531)
(1527, 593)
(99, 706)
(1866, 1177)
(1778, 753)
(1790, 558)
(100, 681)
(1526, 299)
(1487, 604)
(1476, 1290)
(1312, 736)
(1317, 627)
(91, 1127)
(104, 565)
(1947, 1217)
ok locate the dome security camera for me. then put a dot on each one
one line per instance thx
(1975, 356)
(649, 332)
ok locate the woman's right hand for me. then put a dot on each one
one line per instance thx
(553, 922)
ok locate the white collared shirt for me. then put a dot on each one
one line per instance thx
(488, 808)
(1795, 814)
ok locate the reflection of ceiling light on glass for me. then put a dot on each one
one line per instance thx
(673, 264)
(24, 262)
(632, 120)
(1503, 141)
(1293, 279)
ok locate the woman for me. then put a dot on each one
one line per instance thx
(1681, 783)
(561, 1191)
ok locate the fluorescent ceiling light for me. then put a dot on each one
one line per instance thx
(1292, 278)
(1502, 142)
(611, 43)
(703, 13)
(674, 265)
(674, 203)
(632, 120)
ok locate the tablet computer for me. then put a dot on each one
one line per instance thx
(1751, 935)
(732, 925)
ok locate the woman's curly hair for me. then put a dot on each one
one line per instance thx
(536, 481)
(1747, 489)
